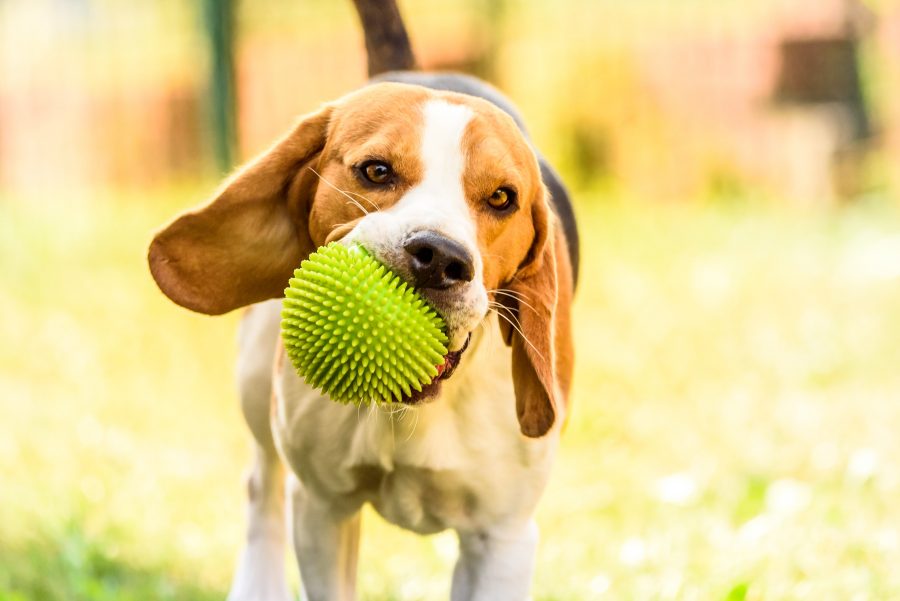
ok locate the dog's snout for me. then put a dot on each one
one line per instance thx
(437, 261)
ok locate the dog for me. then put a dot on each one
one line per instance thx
(435, 176)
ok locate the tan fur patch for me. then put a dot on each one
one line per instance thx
(498, 156)
(379, 122)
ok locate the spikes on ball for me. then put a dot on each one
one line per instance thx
(356, 331)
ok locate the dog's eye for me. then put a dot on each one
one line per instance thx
(377, 172)
(502, 199)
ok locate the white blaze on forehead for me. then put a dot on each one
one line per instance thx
(439, 201)
(442, 152)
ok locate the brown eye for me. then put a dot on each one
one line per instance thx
(502, 199)
(377, 172)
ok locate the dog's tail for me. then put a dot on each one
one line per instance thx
(387, 43)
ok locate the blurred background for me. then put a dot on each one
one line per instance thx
(736, 172)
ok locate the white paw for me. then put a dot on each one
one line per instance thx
(260, 575)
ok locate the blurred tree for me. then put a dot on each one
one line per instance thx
(219, 21)
(493, 16)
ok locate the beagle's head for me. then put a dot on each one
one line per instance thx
(440, 187)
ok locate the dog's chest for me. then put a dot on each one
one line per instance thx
(457, 462)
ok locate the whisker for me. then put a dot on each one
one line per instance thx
(338, 226)
(415, 423)
(365, 198)
(394, 408)
(393, 433)
(509, 315)
(366, 415)
(517, 299)
(521, 333)
(512, 292)
(355, 202)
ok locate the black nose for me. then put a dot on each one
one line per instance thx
(438, 262)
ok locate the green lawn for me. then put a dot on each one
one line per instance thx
(735, 433)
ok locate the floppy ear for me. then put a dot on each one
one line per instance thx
(542, 354)
(242, 246)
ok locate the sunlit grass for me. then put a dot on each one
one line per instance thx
(736, 401)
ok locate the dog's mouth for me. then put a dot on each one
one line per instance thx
(445, 370)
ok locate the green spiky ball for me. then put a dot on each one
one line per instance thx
(356, 331)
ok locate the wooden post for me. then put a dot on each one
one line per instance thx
(219, 21)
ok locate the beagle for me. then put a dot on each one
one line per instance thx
(435, 176)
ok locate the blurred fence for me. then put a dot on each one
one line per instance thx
(797, 99)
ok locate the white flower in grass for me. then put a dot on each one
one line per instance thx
(788, 496)
(633, 552)
(754, 530)
(887, 540)
(600, 584)
(677, 489)
(864, 463)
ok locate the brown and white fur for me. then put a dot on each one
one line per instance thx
(474, 454)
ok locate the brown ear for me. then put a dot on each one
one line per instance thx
(242, 246)
(542, 354)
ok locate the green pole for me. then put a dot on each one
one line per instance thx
(219, 21)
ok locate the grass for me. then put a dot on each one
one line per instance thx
(736, 401)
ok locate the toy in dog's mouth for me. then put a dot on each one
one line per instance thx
(359, 333)
(445, 370)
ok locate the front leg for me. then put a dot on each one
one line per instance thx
(326, 542)
(260, 570)
(495, 565)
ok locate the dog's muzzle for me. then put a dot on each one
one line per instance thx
(445, 370)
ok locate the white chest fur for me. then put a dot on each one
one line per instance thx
(459, 461)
